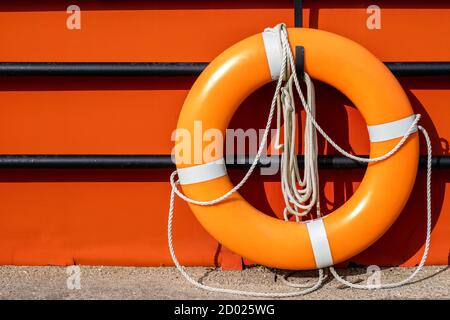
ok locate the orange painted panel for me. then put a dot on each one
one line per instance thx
(119, 217)
(94, 217)
(199, 30)
(95, 115)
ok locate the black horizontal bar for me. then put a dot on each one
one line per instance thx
(419, 68)
(165, 161)
(101, 68)
(173, 68)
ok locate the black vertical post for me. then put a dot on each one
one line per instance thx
(299, 50)
(298, 16)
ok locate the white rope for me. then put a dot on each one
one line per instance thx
(174, 183)
(309, 112)
(226, 290)
(299, 194)
(427, 239)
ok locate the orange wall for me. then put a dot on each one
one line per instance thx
(119, 217)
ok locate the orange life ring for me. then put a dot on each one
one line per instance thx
(375, 205)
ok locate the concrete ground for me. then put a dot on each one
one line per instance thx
(167, 283)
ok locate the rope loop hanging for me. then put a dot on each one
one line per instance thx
(300, 193)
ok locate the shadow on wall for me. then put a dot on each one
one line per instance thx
(314, 6)
(405, 238)
(407, 235)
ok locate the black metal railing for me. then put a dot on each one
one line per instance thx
(174, 68)
(165, 162)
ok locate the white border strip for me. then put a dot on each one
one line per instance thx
(319, 243)
(272, 44)
(391, 130)
(202, 172)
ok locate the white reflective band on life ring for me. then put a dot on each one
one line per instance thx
(319, 243)
(202, 172)
(391, 130)
(272, 44)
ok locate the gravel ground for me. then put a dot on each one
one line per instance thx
(166, 283)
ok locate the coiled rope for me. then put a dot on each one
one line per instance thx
(299, 201)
